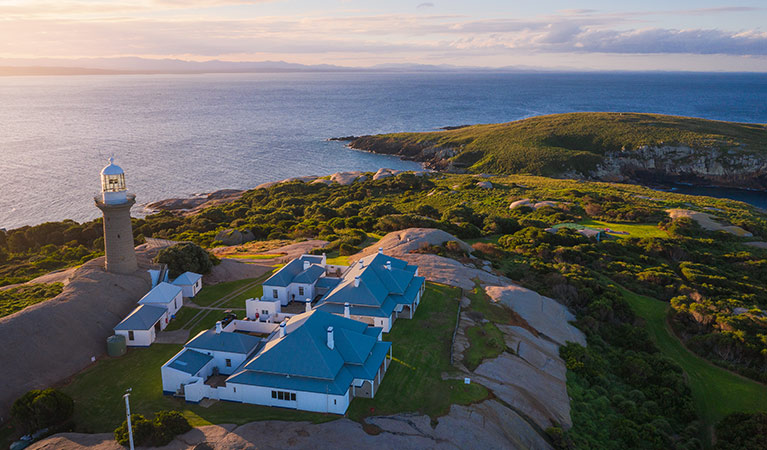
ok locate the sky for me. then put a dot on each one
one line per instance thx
(701, 35)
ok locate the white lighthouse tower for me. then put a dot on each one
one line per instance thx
(115, 203)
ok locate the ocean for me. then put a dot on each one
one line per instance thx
(179, 135)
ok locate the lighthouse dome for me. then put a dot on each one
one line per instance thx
(113, 187)
(112, 168)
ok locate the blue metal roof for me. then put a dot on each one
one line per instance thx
(162, 293)
(327, 282)
(187, 279)
(290, 271)
(378, 287)
(190, 361)
(310, 275)
(224, 342)
(142, 318)
(301, 360)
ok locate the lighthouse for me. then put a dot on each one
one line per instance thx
(115, 203)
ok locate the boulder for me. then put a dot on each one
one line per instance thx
(546, 315)
(345, 178)
(521, 203)
(485, 184)
(385, 173)
(234, 237)
(322, 181)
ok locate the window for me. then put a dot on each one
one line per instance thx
(300, 290)
(293, 396)
(130, 335)
(274, 394)
(228, 362)
(280, 395)
(264, 312)
(274, 293)
(234, 389)
(334, 402)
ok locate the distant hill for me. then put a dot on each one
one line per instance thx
(606, 146)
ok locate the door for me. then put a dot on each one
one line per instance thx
(157, 327)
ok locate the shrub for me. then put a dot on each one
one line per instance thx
(346, 249)
(143, 431)
(742, 431)
(160, 432)
(167, 425)
(185, 257)
(39, 409)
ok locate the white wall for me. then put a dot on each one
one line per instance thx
(251, 326)
(282, 293)
(253, 306)
(141, 338)
(305, 401)
(172, 378)
(176, 304)
(293, 290)
(219, 360)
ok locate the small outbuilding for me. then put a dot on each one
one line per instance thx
(166, 295)
(190, 283)
(141, 326)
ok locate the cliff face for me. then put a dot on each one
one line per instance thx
(654, 164)
(709, 166)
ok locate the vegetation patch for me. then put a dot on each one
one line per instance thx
(100, 408)
(15, 299)
(421, 348)
(485, 342)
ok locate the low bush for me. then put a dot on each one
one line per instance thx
(38, 409)
(160, 432)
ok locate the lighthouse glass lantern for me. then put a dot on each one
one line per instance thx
(113, 187)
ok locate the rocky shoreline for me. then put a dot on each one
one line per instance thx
(648, 165)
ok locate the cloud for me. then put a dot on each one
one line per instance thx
(425, 5)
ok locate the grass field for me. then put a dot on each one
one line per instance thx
(239, 300)
(553, 144)
(643, 230)
(485, 342)
(183, 316)
(15, 299)
(421, 348)
(210, 294)
(716, 391)
(99, 406)
(421, 344)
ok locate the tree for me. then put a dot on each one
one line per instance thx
(742, 431)
(39, 409)
(186, 257)
(167, 425)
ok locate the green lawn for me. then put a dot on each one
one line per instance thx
(422, 344)
(209, 319)
(99, 406)
(183, 316)
(239, 300)
(423, 347)
(15, 299)
(716, 391)
(639, 230)
(485, 342)
(339, 260)
(235, 256)
(210, 294)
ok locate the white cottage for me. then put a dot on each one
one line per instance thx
(166, 295)
(296, 280)
(190, 283)
(141, 326)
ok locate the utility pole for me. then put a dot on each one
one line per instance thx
(127, 413)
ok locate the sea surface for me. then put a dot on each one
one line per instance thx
(178, 135)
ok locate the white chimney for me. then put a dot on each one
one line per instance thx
(356, 281)
(347, 311)
(308, 305)
(307, 264)
(331, 342)
(282, 329)
(388, 265)
(219, 328)
(380, 250)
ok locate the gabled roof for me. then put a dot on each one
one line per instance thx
(379, 289)
(187, 279)
(190, 361)
(142, 318)
(294, 269)
(162, 293)
(310, 275)
(224, 342)
(301, 360)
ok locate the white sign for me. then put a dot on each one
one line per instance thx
(467, 381)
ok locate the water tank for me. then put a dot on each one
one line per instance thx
(116, 345)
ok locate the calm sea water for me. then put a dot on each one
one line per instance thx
(177, 135)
